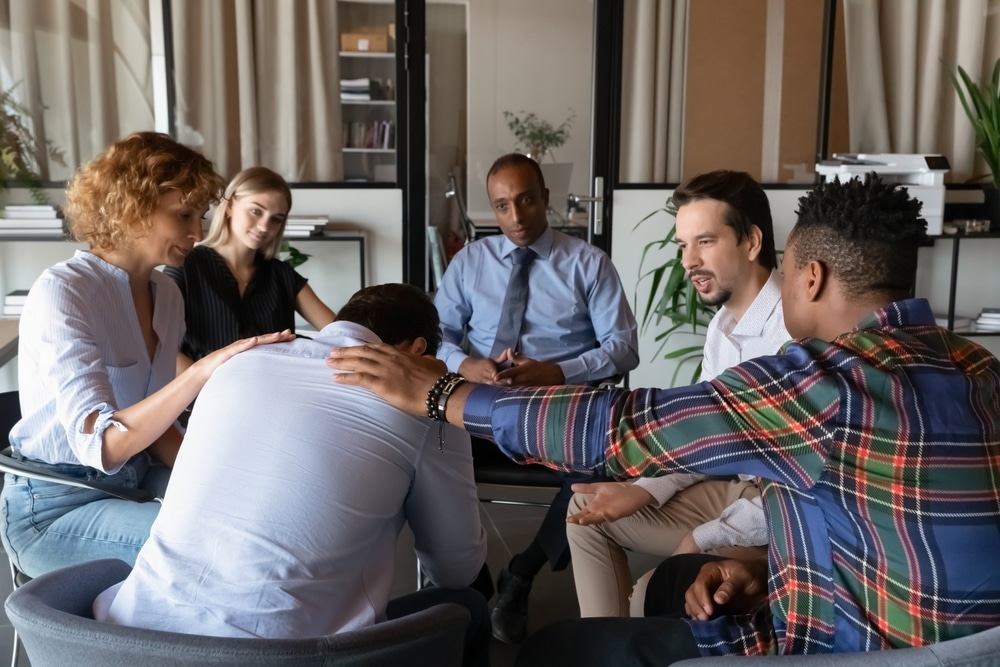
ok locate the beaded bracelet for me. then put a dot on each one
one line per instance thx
(437, 396)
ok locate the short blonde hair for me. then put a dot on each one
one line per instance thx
(251, 181)
(110, 200)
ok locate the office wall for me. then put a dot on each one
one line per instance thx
(752, 90)
(531, 56)
(977, 276)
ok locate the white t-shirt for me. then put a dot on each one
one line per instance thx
(285, 503)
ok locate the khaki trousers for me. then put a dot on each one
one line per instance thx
(600, 562)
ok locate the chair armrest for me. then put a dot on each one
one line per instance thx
(9, 464)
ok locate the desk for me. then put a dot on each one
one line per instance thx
(8, 340)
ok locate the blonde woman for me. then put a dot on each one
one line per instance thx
(233, 284)
(99, 334)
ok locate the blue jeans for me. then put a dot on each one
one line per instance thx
(46, 526)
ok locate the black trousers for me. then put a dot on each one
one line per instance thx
(602, 642)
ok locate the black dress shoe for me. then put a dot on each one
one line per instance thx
(510, 616)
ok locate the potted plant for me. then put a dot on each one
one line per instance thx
(672, 300)
(982, 105)
(21, 156)
(295, 256)
(536, 136)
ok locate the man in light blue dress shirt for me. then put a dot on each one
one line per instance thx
(577, 329)
(289, 494)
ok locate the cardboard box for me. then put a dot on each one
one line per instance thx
(364, 41)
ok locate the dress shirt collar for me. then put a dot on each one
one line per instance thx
(899, 314)
(346, 334)
(542, 245)
(756, 317)
(110, 268)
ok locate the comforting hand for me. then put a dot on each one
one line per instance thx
(478, 370)
(210, 362)
(402, 379)
(687, 545)
(525, 372)
(736, 586)
(611, 501)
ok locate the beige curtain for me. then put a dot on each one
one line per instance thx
(84, 66)
(653, 91)
(899, 98)
(257, 83)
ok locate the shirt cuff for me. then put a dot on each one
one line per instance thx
(574, 371)
(93, 443)
(454, 360)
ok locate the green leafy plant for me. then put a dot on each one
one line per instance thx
(982, 105)
(536, 136)
(21, 155)
(295, 256)
(672, 300)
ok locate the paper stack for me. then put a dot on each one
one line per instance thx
(298, 226)
(989, 320)
(31, 220)
(360, 90)
(13, 303)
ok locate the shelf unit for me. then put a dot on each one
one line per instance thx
(363, 120)
(956, 242)
(368, 154)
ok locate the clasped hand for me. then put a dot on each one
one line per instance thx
(520, 371)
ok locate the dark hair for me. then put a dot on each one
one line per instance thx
(866, 233)
(396, 313)
(515, 160)
(746, 203)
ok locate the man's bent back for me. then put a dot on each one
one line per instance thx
(287, 498)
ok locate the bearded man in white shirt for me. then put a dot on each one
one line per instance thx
(726, 236)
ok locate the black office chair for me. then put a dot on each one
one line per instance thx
(53, 613)
(10, 414)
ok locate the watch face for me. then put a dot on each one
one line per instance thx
(937, 162)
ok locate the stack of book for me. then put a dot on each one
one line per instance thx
(989, 320)
(360, 90)
(31, 220)
(13, 303)
(298, 226)
(379, 134)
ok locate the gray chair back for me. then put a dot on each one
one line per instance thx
(979, 650)
(53, 615)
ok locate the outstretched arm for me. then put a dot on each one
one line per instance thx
(146, 422)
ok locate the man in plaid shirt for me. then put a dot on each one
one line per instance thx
(876, 435)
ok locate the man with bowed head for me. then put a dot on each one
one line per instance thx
(875, 432)
(532, 307)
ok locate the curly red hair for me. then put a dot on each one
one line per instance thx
(110, 200)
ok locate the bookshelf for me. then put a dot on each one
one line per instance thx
(367, 61)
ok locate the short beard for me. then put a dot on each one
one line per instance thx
(721, 297)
